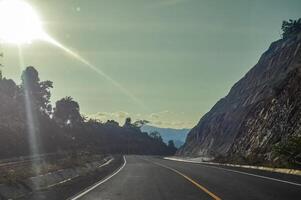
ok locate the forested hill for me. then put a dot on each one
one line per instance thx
(30, 124)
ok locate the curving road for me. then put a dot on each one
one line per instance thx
(150, 178)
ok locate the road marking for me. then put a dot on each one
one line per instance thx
(269, 169)
(239, 172)
(106, 163)
(255, 175)
(215, 197)
(98, 183)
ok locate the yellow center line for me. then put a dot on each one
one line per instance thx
(190, 180)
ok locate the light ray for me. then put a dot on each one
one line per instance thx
(49, 39)
(30, 118)
(20, 24)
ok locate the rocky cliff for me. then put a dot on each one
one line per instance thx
(260, 110)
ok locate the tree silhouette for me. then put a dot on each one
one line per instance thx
(171, 147)
(291, 27)
(39, 92)
(140, 123)
(9, 102)
(156, 135)
(63, 128)
(67, 113)
(128, 122)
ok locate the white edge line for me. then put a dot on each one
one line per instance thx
(277, 170)
(98, 183)
(245, 173)
(69, 179)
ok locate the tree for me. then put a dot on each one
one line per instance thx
(128, 122)
(171, 147)
(9, 103)
(112, 123)
(140, 123)
(291, 27)
(156, 135)
(36, 92)
(64, 129)
(67, 112)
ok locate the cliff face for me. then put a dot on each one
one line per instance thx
(260, 110)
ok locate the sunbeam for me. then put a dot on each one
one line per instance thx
(54, 42)
(20, 24)
(30, 119)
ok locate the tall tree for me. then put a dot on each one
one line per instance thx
(37, 92)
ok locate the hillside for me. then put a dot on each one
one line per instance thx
(261, 110)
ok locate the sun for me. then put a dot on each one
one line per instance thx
(19, 23)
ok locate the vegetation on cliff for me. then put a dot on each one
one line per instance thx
(290, 149)
(291, 27)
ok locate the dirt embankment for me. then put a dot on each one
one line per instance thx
(62, 183)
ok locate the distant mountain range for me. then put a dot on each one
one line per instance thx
(177, 135)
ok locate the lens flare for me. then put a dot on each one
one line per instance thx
(19, 23)
(31, 120)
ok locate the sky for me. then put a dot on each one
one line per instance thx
(174, 58)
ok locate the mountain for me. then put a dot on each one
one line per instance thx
(177, 135)
(262, 109)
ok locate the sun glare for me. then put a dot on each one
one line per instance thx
(19, 23)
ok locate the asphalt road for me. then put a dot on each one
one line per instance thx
(149, 178)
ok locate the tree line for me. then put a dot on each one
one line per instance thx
(28, 122)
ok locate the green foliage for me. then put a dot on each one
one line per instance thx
(291, 27)
(290, 149)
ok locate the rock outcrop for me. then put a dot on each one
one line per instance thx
(260, 110)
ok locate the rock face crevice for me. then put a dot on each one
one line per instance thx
(260, 110)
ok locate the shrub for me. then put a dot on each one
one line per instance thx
(290, 149)
(291, 27)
